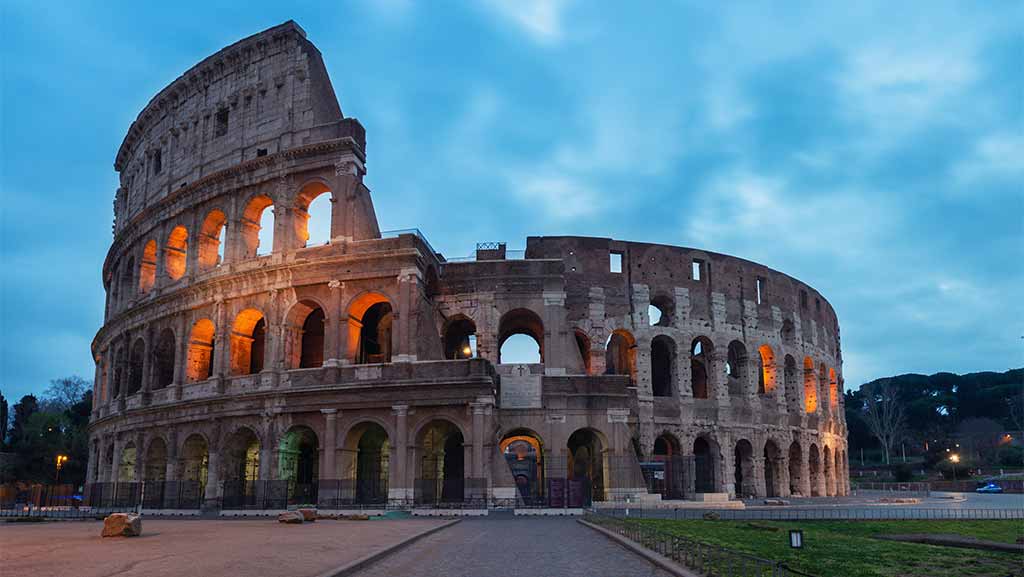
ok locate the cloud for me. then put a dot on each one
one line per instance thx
(541, 20)
(560, 197)
(998, 156)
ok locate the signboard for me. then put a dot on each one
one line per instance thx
(520, 389)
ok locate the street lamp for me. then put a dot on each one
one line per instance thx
(954, 458)
(61, 459)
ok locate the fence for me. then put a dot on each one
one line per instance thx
(458, 493)
(703, 558)
(902, 489)
(558, 482)
(888, 513)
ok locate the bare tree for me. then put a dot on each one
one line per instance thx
(65, 392)
(884, 414)
(1016, 404)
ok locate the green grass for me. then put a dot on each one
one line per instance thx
(849, 549)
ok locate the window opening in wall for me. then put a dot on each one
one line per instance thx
(520, 349)
(760, 289)
(221, 237)
(222, 122)
(266, 233)
(817, 305)
(460, 339)
(261, 152)
(615, 262)
(319, 224)
(158, 164)
(655, 315)
(803, 299)
(695, 270)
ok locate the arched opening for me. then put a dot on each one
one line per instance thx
(520, 337)
(772, 469)
(583, 346)
(659, 312)
(441, 464)
(700, 363)
(242, 457)
(830, 478)
(663, 366)
(163, 357)
(810, 387)
(211, 240)
(705, 454)
(833, 389)
(305, 335)
(126, 464)
(176, 253)
(200, 351)
(814, 466)
(127, 280)
(147, 268)
(460, 338)
(156, 461)
(136, 362)
(792, 385)
(258, 226)
(736, 367)
(586, 468)
(298, 463)
(369, 450)
(375, 335)
(248, 341)
(744, 469)
(620, 354)
(796, 459)
(524, 453)
(313, 217)
(195, 459)
(766, 370)
(119, 360)
(669, 481)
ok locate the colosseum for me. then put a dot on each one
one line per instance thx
(240, 365)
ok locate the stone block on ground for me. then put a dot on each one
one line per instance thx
(308, 514)
(290, 517)
(358, 517)
(122, 525)
(776, 502)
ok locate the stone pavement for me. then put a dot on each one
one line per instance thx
(195, 548)
(510, 546)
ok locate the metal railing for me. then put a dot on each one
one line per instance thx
(911, 489)
(868, 513)
(701, 557)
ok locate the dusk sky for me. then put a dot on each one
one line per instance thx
(872, 150)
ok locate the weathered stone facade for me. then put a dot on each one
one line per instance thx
(217, 362)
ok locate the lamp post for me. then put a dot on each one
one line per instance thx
(61, 459)
(954, 458)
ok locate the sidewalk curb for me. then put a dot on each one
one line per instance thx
(659, 560)
(352, 567)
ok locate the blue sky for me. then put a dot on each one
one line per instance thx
(873, 151)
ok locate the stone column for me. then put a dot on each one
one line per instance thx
(116, 464)
(726, 469)
(478, 409)
(718, 387)
(399, 487)
(267, 462)
(140, 456)
(148, 366)
(760, 487)
(212, 479)
(171, 471)
(403, 349)
(181, 356)
(330, 470)
(222, 339)
(333, 353)
(782, 474)
(805, 472)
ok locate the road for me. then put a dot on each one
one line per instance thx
(505, 545)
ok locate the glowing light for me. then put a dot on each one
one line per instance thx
(955, 458)
(467, 351)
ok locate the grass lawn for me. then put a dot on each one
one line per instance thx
(848, 549)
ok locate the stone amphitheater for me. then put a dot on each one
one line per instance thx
(369, 369)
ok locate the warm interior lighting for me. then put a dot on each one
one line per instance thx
(955, 458)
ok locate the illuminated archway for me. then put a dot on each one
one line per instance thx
(312, 217)
(701, 350)
(200, 351)
(620, 354)
(305, 332)
(258, 226)
(211, 240)
(459, 338)
(248, 342)
(147, 268)
(524, 453)
(176, 253)
(810, 387)
(766, 372)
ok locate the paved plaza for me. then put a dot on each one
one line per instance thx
(196, 548)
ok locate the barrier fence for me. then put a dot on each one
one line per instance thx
(884, 513)
(915, 489)
(703, 558)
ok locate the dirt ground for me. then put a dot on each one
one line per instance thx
(196, 548)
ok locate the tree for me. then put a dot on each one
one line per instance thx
(3, 420)
(23, 410)
(884, 413)
(65, 392)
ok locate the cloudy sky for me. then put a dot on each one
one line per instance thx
(874, 151)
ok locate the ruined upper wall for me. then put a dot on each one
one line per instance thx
(261, 95)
